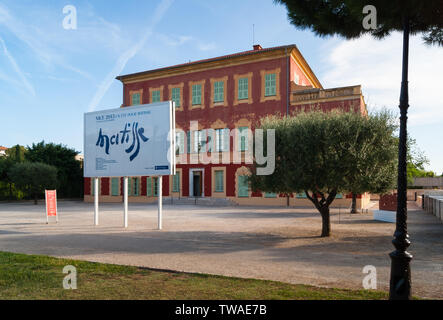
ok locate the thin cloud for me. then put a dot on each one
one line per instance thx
(207, 46)
(17, 69)
(376, 65)
(128, 54)
(32, 37)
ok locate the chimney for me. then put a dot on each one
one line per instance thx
(257, 47)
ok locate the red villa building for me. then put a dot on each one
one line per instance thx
(229, 92)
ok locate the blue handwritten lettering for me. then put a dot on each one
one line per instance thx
(104, 141)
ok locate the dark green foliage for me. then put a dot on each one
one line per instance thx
(69, 171)
(33, 177)
(323, 154)
(8, 190)
(344, 18)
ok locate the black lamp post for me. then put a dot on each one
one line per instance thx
(400, 282)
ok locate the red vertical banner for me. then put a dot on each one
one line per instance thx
(51, 203)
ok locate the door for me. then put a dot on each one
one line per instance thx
(197, 183)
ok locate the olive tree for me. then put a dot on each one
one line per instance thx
(322, 154)
(33, 177)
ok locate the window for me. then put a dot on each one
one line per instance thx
(218, 91)
(199, 141)
(270, 85)
(196, 94)
(115, 187)
(219, 181)
(301, 195)
(221, 140)
(135, 98)
(243, 138)
(179, 142)
(242, 88)
(243, 187)
(155, 186)
(270, 195)
(156, 96)
(149, 186)
(176, 182)
(134, 187)
(175, 96)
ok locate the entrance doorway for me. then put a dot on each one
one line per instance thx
(197, 183)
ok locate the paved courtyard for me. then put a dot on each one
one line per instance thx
(265, 243)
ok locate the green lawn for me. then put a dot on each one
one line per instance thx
(41, 277)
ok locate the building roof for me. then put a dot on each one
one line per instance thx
(258, 50)
(3, 148)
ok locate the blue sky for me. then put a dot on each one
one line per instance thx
(50, 76)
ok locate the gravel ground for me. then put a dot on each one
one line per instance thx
(265, 243)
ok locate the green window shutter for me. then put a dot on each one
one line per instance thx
(129, 186)
(156, 96)
(218, 139)
(301, 195)
(226, 139)
(195, 142)
(149, 186)
(270, 195)
(155, 187)
(176, 96)
(219, 91)
(219, 181)
(176, 182)
(243, 187)
(136, 187)
(243, 88)
(202, 140)
(180, 142)
(196, 94)
(210, 142)
(188, 141)
(339, 196)
(135, 98)
(115, 187)
(270, 84)
(243, 138)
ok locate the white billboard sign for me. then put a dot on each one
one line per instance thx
(130, 141)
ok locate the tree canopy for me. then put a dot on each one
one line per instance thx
(323, 154)
(69, 171)
(345, 17)
(33, 177)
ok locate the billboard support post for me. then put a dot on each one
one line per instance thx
(125, 202)
(96, 195)
(160, 201)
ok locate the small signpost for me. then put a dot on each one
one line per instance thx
(130, 142)
(51, 205)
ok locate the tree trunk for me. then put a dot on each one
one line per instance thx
(326, 222)
(287, 200)
(35, 199)
(354, 203)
